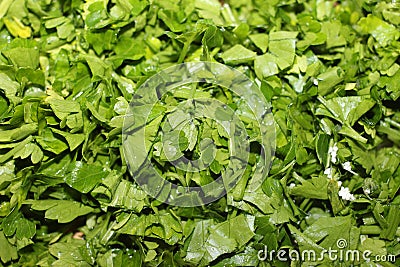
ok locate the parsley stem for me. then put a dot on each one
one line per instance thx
(374, 230)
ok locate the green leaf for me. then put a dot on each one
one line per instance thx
(118, 257)
(346, 109)
(101, 41)
(260, 40)
(213, 37)
(63, 211)
(391, 84)
(265, 66)
(282, 45)
(28, 75)
(18, 29)
(73, 140)
(238, 54)
(84, 177)
(8, 86)
(16, 148)
(317, 188)
(322, 146)
(333, 32)
(328, 230)
(15, 223)
(97, 17)
(210, 9)
(23, 57)
(393, 221)
(78, 134)
(376, 247)
(68, 253)
(210, 241)
(382, 31)
(172, 20)
(62, 108)
(18, 133)
(129, 48)
(4, 5)
(50, 143)
(8, 252)
(329, 79)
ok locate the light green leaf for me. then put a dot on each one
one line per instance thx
(50, 143)
(17, 133)
(260, 40)
(382, 31)
(73, 140)
(84, 177)
(23, 57)
(8, 252)
(265, 66)
(211, 241)
(322, 146)
(18, 29)
(62, 108)
(238, 54)
(316, 187)
(345, 109)
(329, 79)
(282, 45)
(63, 211)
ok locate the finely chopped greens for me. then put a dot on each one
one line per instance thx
(68, 70)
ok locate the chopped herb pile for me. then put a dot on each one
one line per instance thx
(69, 69)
